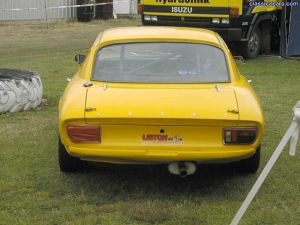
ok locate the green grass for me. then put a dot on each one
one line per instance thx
(34, 191)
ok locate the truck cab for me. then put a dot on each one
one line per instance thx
(250, 24)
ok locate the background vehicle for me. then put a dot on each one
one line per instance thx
(242, 23)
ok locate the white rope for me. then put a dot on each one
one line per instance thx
(292, 134)
(65, 7)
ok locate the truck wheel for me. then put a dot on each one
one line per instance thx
(68, 163)
(252, 48)
(251, 164)
(266, 37)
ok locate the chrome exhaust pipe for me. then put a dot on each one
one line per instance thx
(182, 169)
(183, 173)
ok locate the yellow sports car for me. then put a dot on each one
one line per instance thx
(159, 95)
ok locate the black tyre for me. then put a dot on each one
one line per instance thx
(252, 48)
(251, 164)
(68, 163)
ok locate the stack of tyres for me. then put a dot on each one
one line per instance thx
(20, 90)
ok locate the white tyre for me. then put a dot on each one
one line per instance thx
(19, 90)
(8, 98)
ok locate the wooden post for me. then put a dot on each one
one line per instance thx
(46, 14)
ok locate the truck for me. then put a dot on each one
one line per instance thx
(249, 26)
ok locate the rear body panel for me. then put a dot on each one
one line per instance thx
(156, 125)
(159, 123)
(146, 144)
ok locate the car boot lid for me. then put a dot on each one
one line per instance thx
(207, 101)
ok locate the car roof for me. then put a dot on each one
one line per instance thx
(158, 33)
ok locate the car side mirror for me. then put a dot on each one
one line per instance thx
(79, 58)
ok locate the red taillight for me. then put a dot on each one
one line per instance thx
(81, 133)
(239, 135)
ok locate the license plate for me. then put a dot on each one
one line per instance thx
(162, 139)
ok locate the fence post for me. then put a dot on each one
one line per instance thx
(295, 135)
(46, 13)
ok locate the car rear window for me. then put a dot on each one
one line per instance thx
(160, 63)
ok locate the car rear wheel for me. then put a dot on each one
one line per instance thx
(68, 163)
(251, 164)
(252, 48)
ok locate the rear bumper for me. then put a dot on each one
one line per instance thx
(133, 156)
